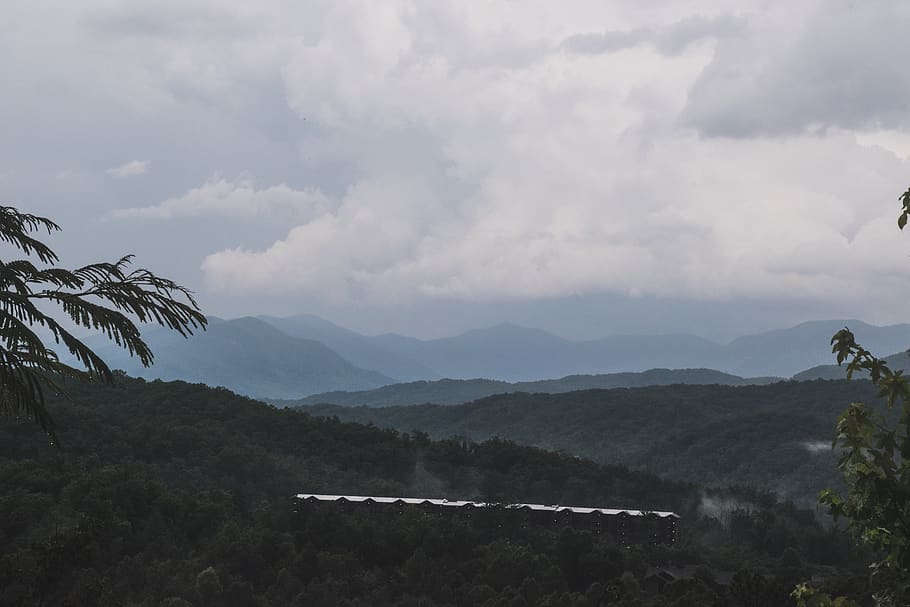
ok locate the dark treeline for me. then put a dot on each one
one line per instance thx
(171, 494)
(775, 437)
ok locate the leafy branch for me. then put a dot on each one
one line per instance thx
(875, 462)
(103, 297)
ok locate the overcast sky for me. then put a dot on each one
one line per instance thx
(588, 167)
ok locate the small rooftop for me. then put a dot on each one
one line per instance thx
(461, 503)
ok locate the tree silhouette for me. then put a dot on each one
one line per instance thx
(105, 297)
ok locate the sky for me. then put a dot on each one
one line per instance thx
(587, 167)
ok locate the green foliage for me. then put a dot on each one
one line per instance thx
(761, 436)
(905, 209)
(208, 585)
(99, 296)
(171, 493)
(876, 465)
(875, 462)
(806, 596)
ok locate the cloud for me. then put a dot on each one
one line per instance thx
(565, 174)
(648, 229)
(130, 169)
(839, 64)
(239, 199)
(670, 40)
(168, 20)
(478, 152)
(342, 252)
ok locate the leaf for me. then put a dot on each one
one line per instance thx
(103, 296)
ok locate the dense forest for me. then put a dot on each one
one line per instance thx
(172, 494)
(775, 437)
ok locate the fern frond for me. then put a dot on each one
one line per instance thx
(104, 297)
(15, 227)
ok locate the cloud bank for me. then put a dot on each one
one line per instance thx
(489, 151)
(591, 162)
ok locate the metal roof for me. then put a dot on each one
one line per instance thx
(462, 503)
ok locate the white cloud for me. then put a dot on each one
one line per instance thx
(573, 175)
(895, 141)
(694, 219)
(130, 169)
(240, 198)
(461, 150)
(377, 225)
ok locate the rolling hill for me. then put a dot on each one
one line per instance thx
(776, 436)
(457, 391)
(172, 494)
(901, 361)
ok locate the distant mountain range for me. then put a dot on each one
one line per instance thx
(248, 356)
(360, 350)
(512, 353)
(457, 391)
(298, 356)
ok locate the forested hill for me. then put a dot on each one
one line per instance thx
(899, 361)
(172, 494)
(213, 438)
(457, 391)
(776, 436)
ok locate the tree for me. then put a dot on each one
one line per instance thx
(875, 462)
(101, 296)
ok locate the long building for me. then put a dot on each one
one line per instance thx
(627, 526)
